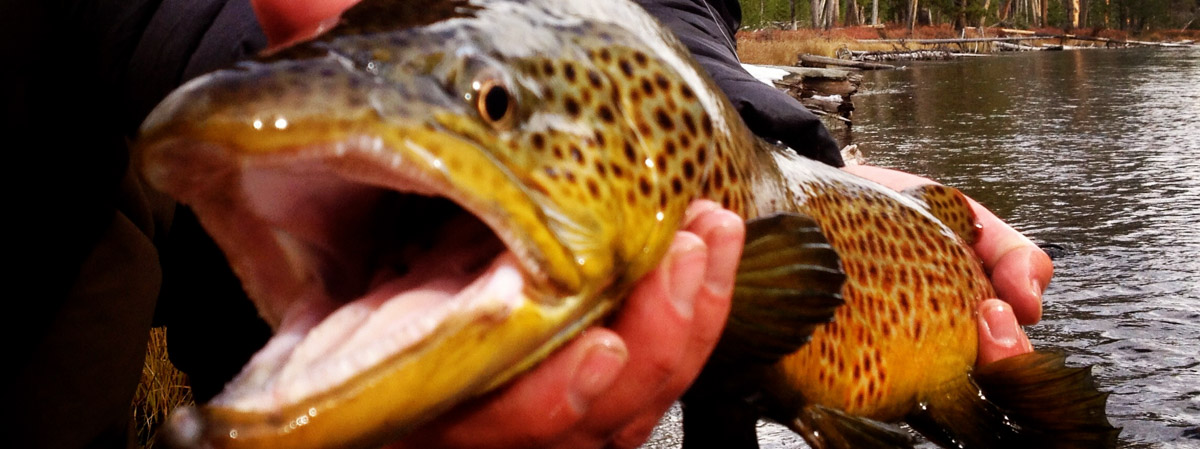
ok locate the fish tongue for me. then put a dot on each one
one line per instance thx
(313, 353)
(400, 307)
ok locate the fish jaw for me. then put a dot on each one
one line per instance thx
(362, 353)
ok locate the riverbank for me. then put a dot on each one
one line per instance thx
(782, 47)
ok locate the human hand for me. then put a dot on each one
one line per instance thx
(1019, 271)
(611, 385)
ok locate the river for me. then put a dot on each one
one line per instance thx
(1098, 153)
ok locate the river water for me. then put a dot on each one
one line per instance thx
(1098, 153)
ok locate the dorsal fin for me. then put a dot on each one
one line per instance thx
(950, 207)
(789, 282)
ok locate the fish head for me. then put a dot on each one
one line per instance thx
(423, 209)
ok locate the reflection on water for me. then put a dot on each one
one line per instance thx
(1096, 151)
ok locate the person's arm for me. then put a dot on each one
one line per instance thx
(706, 28)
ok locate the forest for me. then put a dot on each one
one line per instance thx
(1133, 16)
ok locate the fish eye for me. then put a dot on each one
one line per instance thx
(496, 104)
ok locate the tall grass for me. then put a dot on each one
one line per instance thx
(782, 47)
(162, 389)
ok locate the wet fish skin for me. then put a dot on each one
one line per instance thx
(578, 131)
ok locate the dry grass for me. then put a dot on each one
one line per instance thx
(779, 47)
(162, 389)
(782, 47)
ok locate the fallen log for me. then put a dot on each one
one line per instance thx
(1005, 46)
(807, 60)
(956, 40)
(904, 55)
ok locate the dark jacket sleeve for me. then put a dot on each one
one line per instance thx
(93, 238)
(214, 328)
(707, 28)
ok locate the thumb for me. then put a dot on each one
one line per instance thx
(286, 22)
(999, 334)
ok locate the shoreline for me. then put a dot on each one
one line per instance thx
(881, 43)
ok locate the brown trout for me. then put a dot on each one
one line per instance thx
(431, 197)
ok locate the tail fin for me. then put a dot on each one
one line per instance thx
(1040, 392)
(1029, 401)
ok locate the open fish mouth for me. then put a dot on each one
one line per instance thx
(348, 271)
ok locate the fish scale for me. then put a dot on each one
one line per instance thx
(577, 132)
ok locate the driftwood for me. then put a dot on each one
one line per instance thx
(1013, 35)
(904, 55)
(957, 40)
(1026, 34)
(1005, 46)
(807, 60)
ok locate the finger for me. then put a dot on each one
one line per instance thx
(540, 406)
(656, 324)
(1019, 269)
(289, 21)
(723, 233)
(999, 334)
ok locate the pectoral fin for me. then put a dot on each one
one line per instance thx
(950, 207)
(789, 282)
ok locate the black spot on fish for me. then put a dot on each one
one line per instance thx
(661, 81)
(686, 92)
(647, 87)
(664, 120)
(626, 68)
(572, 107)
(689, 170)
(569, 72)
(641, 59)
(605, 113)
(630, 153)
(594, 79)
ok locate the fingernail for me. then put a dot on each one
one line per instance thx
(1001, 325)
(686, 272)
(596, 372)
(1036, 289)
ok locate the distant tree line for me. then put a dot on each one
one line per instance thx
(1128, 15)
